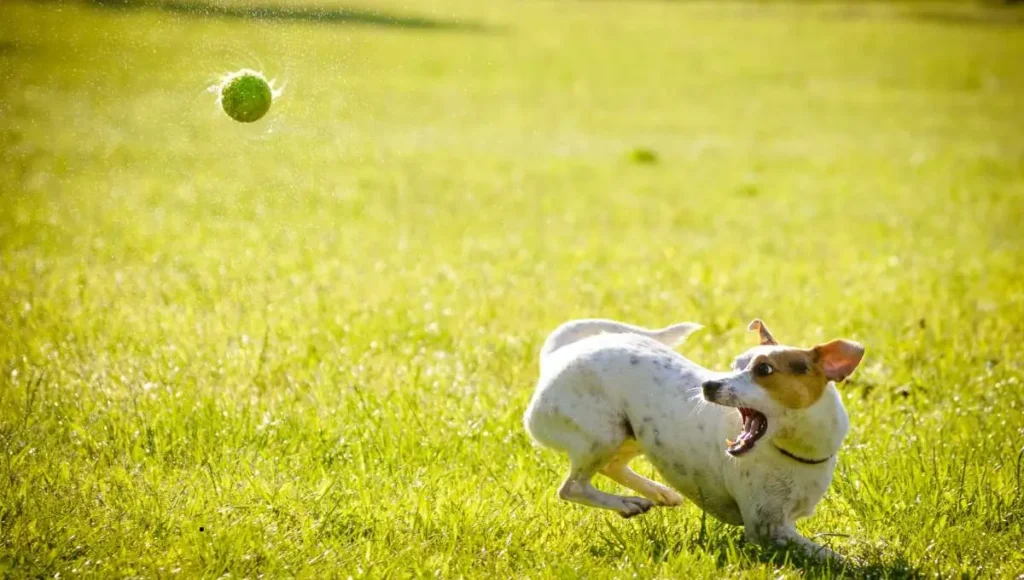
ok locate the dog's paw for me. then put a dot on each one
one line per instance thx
(666, 497)
(634, 506)
(824, 555)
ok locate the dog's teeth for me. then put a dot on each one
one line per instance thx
(756, 424)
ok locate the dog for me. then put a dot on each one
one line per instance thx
(609, 392)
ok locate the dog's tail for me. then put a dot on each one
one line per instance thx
(576, 330)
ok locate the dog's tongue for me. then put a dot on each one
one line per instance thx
(745, 441)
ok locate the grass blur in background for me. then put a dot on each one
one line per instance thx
(304, 346)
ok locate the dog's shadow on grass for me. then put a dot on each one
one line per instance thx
(899, 568)
(725, 545)
(659, 540)
(294, 13)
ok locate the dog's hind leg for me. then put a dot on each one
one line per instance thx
(577, 488)
(575, 417)
(587, 455)
(618, 471)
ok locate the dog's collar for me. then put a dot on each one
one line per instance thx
(801, 459)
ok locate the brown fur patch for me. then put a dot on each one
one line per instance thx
(789, 388)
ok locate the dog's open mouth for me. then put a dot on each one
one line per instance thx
(754, 426)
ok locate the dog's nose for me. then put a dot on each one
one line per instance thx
(711, 389)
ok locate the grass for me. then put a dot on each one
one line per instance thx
(303, 346)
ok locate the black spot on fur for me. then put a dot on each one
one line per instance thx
(634, 360)
(680, 468)
(700, 428)
(628, 428)
(648, 419)
(665, 364)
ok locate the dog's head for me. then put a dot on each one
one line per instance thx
(772, 382)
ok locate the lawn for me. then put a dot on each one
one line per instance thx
(304, 346)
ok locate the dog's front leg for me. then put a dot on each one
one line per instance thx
(784, 535)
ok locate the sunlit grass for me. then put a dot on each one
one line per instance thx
(303, 346)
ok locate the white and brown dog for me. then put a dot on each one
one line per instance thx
(609, 392)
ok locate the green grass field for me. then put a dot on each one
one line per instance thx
(304, 346)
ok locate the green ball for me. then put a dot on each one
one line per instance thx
(246, 96)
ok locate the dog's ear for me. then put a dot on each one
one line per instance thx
(766, 337)
(838, 358)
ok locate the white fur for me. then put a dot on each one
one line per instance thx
(609, 392)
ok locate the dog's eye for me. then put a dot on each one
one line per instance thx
(763, 369)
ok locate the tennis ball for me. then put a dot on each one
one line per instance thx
(246, 95)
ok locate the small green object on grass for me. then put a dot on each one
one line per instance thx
(643, 156)
(246, 95)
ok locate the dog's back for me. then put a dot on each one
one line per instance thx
(577, 330)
